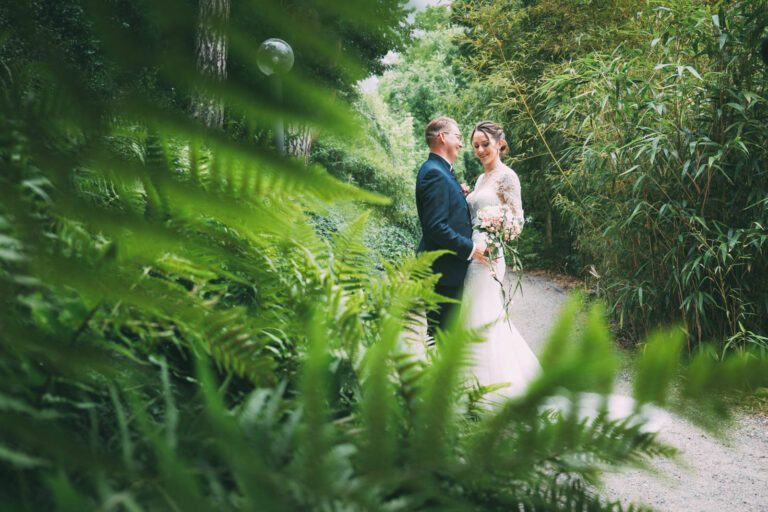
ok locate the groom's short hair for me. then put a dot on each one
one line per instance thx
(436, 126)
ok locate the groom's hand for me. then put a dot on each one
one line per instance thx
(479, 252)
(465, 188)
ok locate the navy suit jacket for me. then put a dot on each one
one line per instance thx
(445, 220)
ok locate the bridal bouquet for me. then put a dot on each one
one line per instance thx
(500, 227)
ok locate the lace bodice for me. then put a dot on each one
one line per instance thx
(499, 187)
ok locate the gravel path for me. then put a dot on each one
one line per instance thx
(710, 474)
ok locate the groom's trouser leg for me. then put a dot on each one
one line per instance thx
(442, 316)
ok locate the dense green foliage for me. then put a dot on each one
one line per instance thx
(677, 163)
(177, 333)
(382, 159)
(639, 131)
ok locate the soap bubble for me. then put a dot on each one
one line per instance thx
(275, 56)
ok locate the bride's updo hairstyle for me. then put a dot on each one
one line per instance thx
(494, 132)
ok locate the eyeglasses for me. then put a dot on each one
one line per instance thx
(457, 135)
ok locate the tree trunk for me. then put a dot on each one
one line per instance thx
(299, 141)
(211, 56)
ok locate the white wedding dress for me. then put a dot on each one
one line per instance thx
(504, 358)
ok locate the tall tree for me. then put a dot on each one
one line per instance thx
(211, 58)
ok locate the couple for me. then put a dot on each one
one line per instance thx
(504, 360)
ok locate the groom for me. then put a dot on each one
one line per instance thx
(444, 216)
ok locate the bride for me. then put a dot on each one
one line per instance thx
(502, 363)
(504, 360)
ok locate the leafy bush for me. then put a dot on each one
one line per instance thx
(392, 242)
(359, 170)
(385, 240)
(381, 160)
(667, 189)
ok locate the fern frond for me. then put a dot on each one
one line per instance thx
(235, 346)
(352, 264)
(284, 176)
(434, 425)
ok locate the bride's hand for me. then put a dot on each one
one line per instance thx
(479, 253)
(465, 188)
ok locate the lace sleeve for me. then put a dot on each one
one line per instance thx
(509, 193)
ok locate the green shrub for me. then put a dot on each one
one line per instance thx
(667, 179)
